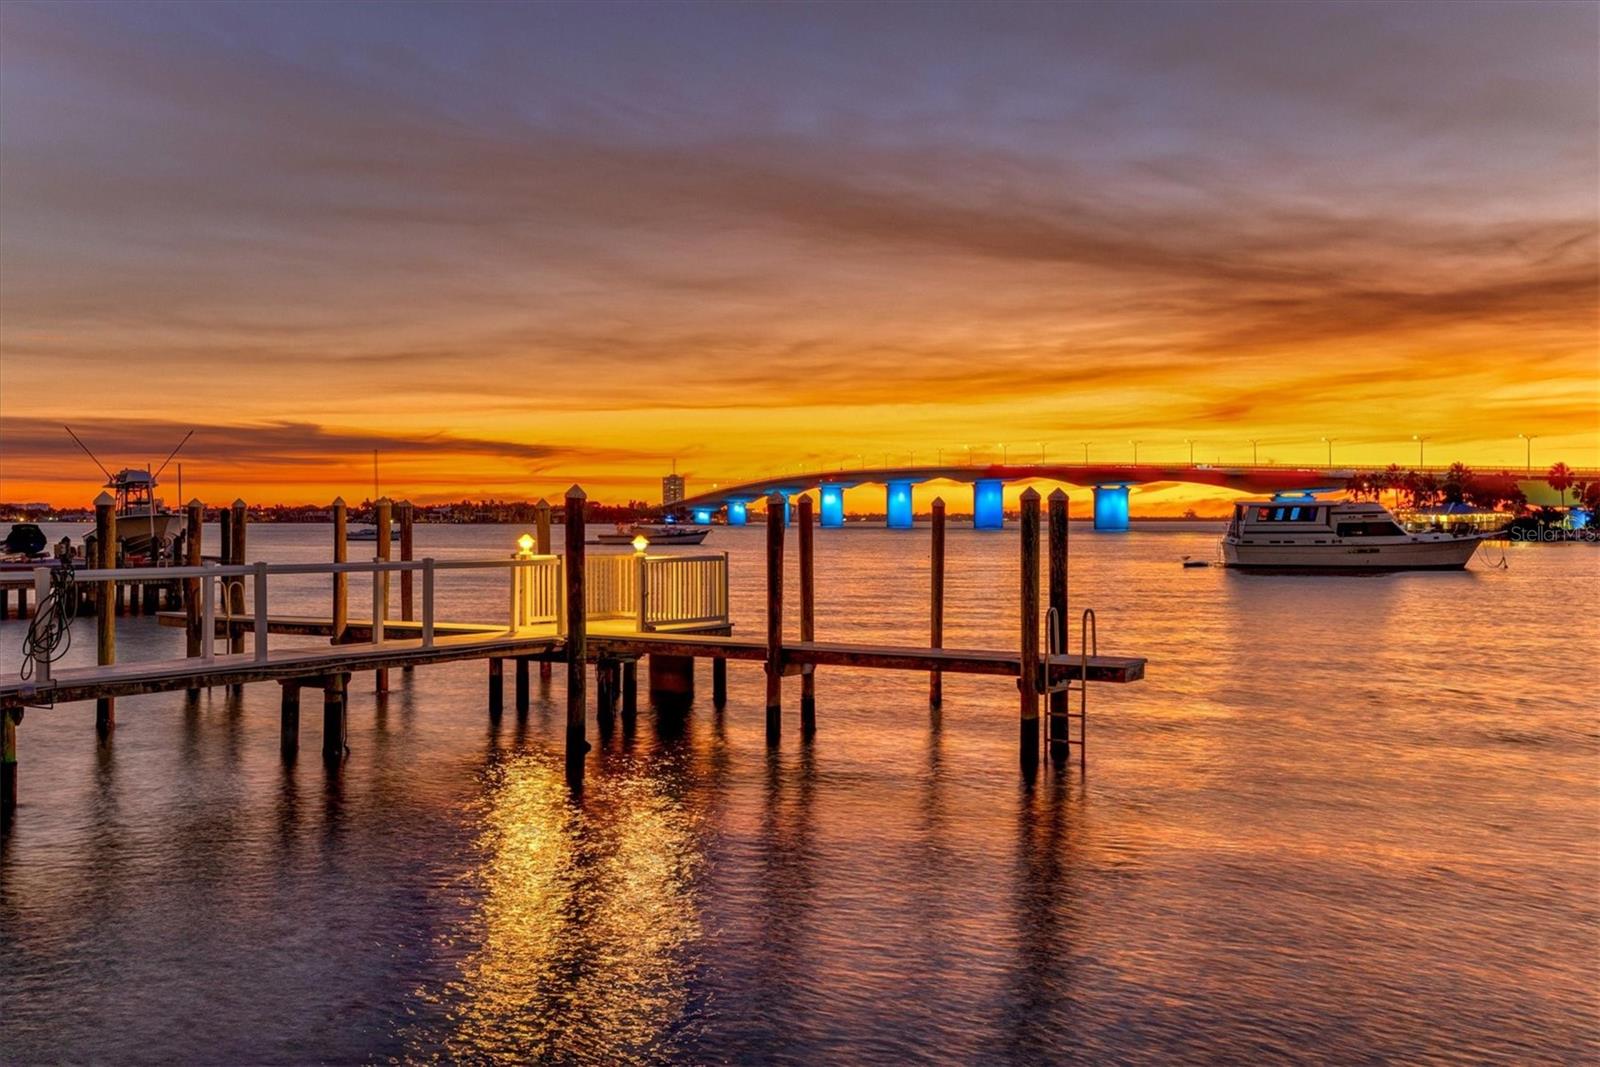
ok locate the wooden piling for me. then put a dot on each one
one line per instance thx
(236, 555)
(775, 509)
(522, 687)
(577, 633)
(405, 514)
(335, 747)
(936, 601)
(1056, 639)
(341, 582)
(105, 532)
(22, 603)
(719, 682)
(630, 688)
(193, 542)
(289, 718)
(382, 518)
(541, 545)
(808, 612)
(1029, 609)
(497, 687)
(8, 763)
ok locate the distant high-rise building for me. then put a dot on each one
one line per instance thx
(672, 489)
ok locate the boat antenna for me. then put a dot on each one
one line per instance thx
(174, 452)
(86, 452)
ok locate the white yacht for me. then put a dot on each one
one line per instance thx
(1301, 533)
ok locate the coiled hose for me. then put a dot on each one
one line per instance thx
(50, 633)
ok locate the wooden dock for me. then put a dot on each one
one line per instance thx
(610, 611)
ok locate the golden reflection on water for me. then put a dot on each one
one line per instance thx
(586, 908)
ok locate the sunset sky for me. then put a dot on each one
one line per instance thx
(515, 246)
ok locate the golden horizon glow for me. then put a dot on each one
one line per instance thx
(509, 278)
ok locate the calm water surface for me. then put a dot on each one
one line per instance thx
(1354, 819)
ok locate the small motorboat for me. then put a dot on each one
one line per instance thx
(657, 533)
(369, 533)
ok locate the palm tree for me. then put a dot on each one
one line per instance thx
(1456, 480)
(1560, 479)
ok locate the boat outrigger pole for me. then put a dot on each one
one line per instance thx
(88, 453)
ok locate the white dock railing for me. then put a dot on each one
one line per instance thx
(656, 591)
(651, 590)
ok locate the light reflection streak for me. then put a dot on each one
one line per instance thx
(586, 910)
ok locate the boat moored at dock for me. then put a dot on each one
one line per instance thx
(1303, 534)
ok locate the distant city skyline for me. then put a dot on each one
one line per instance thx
(557, 244)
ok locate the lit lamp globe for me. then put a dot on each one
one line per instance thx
(640, 543)
(525, 545)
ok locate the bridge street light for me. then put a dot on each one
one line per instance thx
(1329, 442)
(1419, 438)
(1085, 445)
(1135, 445)
(1190, 443)
(1255, 452)
(1528, 438)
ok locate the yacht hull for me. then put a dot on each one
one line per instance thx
(1449, 554)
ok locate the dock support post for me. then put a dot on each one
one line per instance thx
(719, 682)
(606, 683)
(577, 636)
(22, 603)
(936, 601)
(541, 546)
(194, 532)
(5, 604)
(8, 764)
(105, 533)
(405, 514)
(808, 623)
(630, 689)
(522, 687)
(1056, 639)
(334, 746)
(775, 516)
(1029, 610)
(289, 718)
(341, 581)
(236, 584)
(383, 519)
(497, 687)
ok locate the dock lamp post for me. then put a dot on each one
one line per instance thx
(1528, 440)
(1420, 439)
(1329, 442)
(525, 547)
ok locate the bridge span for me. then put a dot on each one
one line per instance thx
(1110, 482)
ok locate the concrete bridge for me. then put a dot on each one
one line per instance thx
(1110, 482)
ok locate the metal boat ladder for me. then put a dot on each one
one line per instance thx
(1060, 733)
